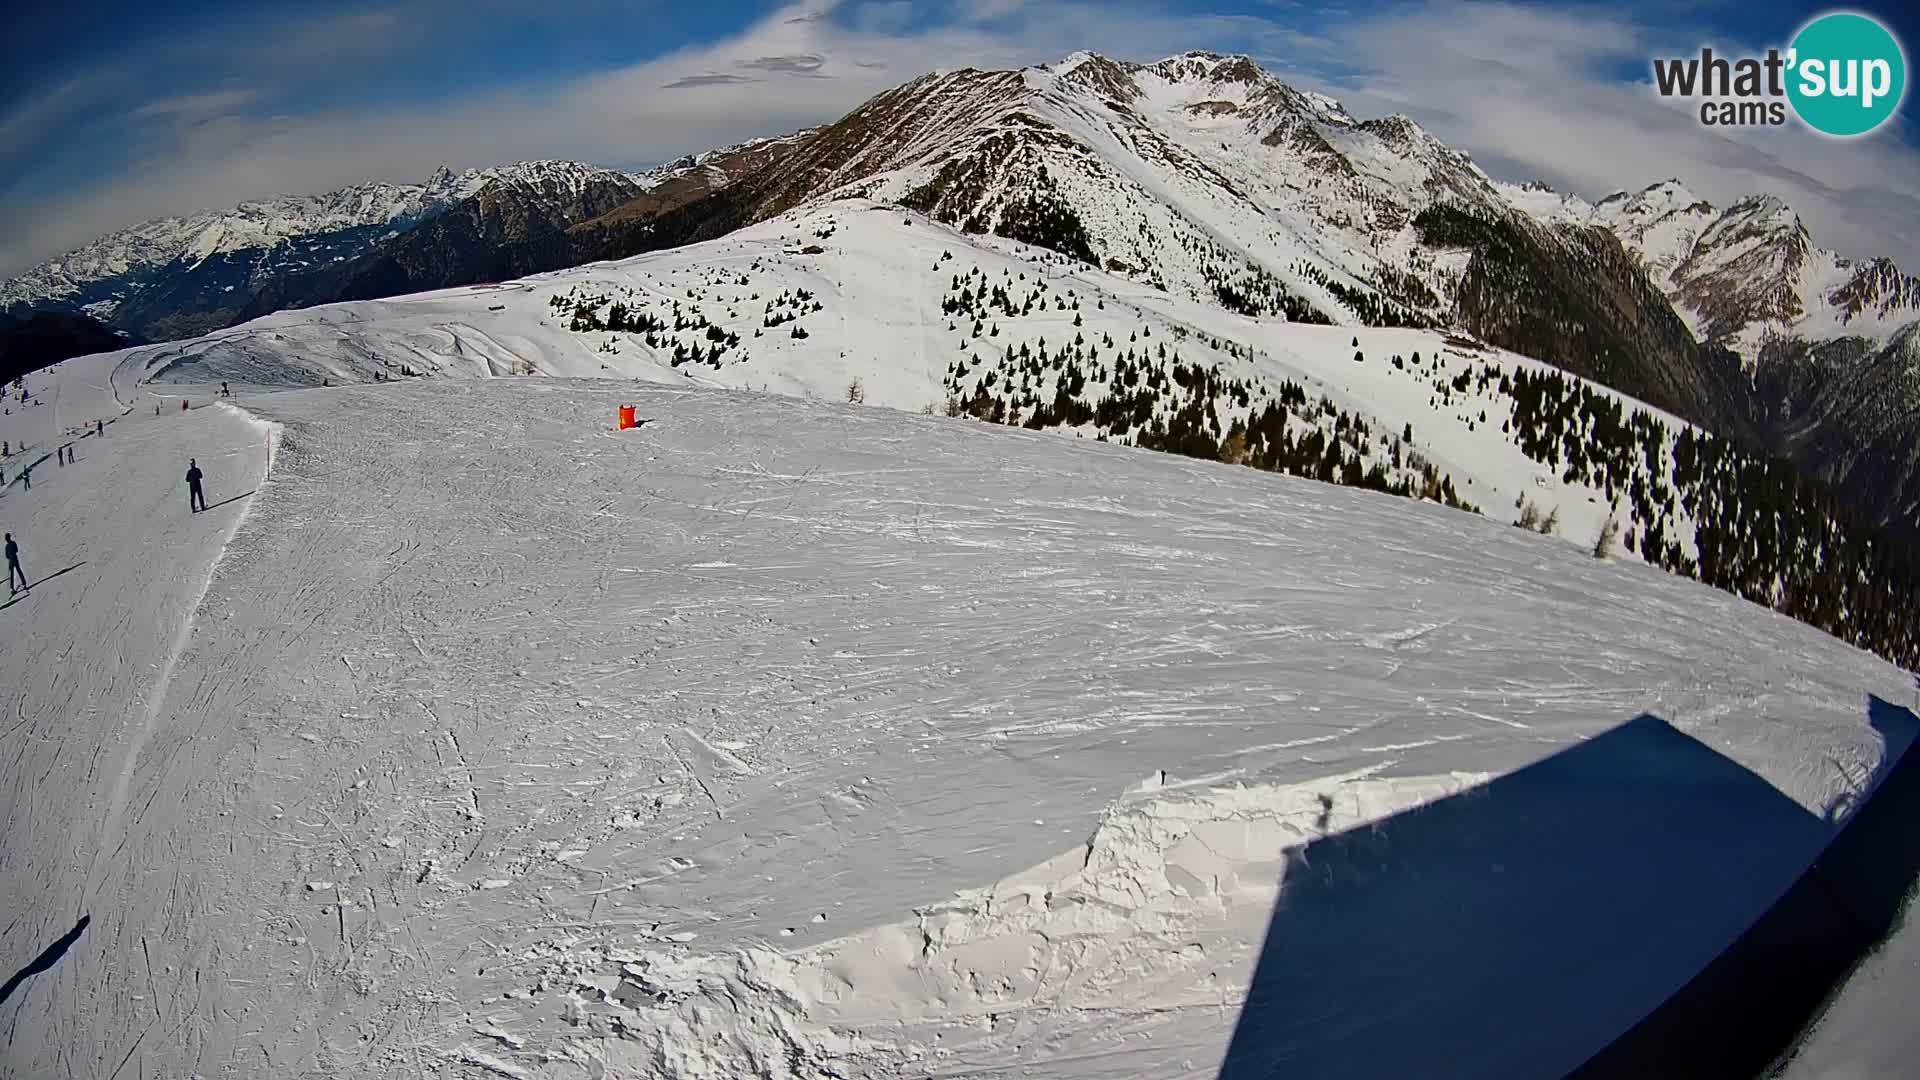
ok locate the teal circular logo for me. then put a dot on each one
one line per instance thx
(1847, 74)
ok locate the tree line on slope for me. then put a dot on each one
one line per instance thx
(1695, 504)
(1705, 508)
(685, 334)
(1760, 527)
(1142, 393)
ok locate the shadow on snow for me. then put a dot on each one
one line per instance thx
(228, 499)
(1527, 926)
(47, 958)
(24, 593)
(1762, 995)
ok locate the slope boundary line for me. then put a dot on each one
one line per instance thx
(110, 824)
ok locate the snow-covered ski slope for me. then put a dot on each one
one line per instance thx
(473, 738)
(875, 282)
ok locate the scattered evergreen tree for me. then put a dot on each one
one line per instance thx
(1609, 532)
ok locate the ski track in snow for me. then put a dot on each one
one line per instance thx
(755, 742)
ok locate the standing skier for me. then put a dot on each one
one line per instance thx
(13, 568)
(195, 497)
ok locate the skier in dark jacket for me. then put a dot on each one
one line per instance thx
(13, 568)
(195, 497)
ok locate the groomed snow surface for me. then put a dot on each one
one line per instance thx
(465, 736)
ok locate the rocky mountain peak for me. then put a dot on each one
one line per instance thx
(1100, 75)
(1396, 130)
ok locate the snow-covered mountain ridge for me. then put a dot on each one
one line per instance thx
(159, 276)
(1823, 340)
(1745, 273)
(1253, 178)
(263, 223)
(1203, 177)
(1200, 174)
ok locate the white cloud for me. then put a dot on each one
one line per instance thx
(24, 122)
(987, 10)
(194, 106)
(1533, 93)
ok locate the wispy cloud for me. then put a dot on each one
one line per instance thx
(26, 121)
(195, 106)
(797, 64)
(883, 16)
(686, 81)
(987, 10)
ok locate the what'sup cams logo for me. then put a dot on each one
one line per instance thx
(1844, 75)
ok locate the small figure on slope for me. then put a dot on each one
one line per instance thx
(196, 499)
(13, 568)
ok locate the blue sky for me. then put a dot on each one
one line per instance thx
(114, 111)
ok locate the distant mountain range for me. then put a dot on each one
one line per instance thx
(177, 277)
(1199, 176)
